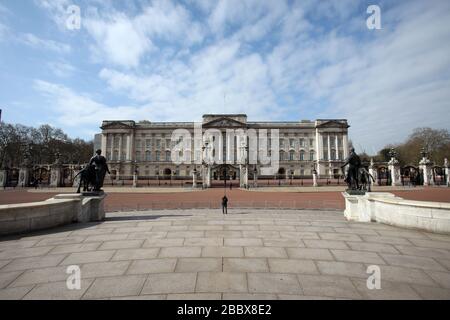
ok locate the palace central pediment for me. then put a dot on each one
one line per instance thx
(224, 122)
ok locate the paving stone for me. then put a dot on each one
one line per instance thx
(23, 253)
(356, 231)
(325, 244)
(154, 223)
(148, 235)
(273, 283)
(172, 242)
(444, 262)
(221, 282)
(198, 264)
(188, 234)
(132, 230)
(17, 244)
(283, 242)
(243, 242)
(57, 291)
(15, 293)
(309, 253)
(339, 236)
(170, 283)
(152, 266)
(115, 287)
(169, 228)
(349, 269)
(59, 241)
(245, 265)
(118, 225)
(43, 275)
(292, 266)
(412, 261)
(442, 278)
(104, 269)
(261, 234)
(432, 293)
(4, 263)
(122, 244)
(357, 256)
(424, 252)
(313, 229)
(429, 243)
(241, 228)
(224, 234)
(249, 296)
(375, 247)
(8, 277)
(77, 247)
(106, 237)
(135, 254)
(205, 228)
(87, 257)
(34, 262)
(259, 222)
(331, 286)
(403, 234)
(437, 237)
(302, 297)
(265, 252)
(387, 240)
(388, 291)
(277, 228)
(180, 252)
(407, 275)
(194, 296)
(220, 251)
(201, 242)
(223, 222)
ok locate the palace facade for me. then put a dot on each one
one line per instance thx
(145, 148)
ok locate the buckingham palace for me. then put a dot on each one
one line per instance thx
(145, 150)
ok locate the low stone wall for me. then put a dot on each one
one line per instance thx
(60, 210)
(387, 208)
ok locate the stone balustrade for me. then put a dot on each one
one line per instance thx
(387, 208)
(60, 210)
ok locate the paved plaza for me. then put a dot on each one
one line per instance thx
(247, 254)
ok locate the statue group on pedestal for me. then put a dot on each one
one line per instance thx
(357, 177)
(93, 174)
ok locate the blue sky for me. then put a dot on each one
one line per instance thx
(273, 60)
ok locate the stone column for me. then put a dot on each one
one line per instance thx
(25, 172)
(319, 148)
(373, 173)
(329, 147)
(3, 178)
(103, 145)
(120, 148)
(315, 178)
(194, 179)
(447, 171)
(425, 166)
(135, 179)
(112, 147)
(345, 145)
(56, 176)
(394, 168)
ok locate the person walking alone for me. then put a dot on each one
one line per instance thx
(224, 205)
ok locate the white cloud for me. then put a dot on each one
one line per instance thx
(123, 40)
(61, 69)
(36, 42)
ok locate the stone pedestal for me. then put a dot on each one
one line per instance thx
(206, 176)
(447, 171)
(373, 172)
(3, 178)
(315, 179)
(24, 177)
(243, 176)
(394, 169)
(56, 176)
(92, 205)
(426, 167)
(194, 180)
(135, 180)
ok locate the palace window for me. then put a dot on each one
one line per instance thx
(158, 143)
(282, 155)
(115, 155)
(138, 156)
(311, 155)
(158, 156)
(325, 155)
(333, 154)
(325, 141)
(302, 155)
(148, 143)
(291, 155)
(148, 156)
(138, 143)
(302, 142)
(311, 142)
(167, 155)
(341, 155)
(291, 143)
